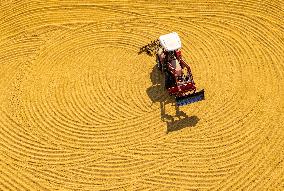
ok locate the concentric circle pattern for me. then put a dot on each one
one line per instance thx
(82, 109)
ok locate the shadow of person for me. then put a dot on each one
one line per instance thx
(158, 93)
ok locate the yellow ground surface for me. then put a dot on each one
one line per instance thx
(80, 109)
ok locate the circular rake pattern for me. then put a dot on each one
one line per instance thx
(82, 109)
